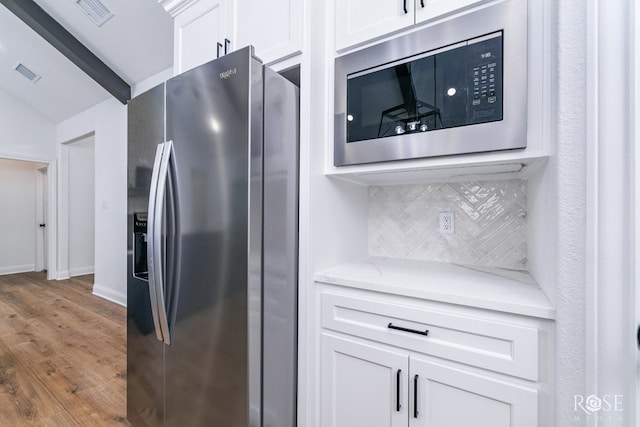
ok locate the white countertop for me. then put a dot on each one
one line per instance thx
(483, 287)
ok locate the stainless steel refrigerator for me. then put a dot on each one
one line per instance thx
(213, 232)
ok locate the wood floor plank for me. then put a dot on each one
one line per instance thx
(59, 420)
(62, 354)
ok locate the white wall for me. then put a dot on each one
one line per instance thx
(151, 82)
(81, 206)
(24, 133)
(108, 120)
(17, 216)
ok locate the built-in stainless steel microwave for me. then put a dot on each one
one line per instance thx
(454, 87)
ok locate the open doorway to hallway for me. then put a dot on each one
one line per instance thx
(78, 160)
(23, 244)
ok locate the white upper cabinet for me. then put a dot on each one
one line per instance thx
(430, 9)
(202, 31)
(274, 28)
(358, 21)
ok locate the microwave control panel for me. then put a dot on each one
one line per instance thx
(484, 59)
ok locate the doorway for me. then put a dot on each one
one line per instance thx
(76, 228)
(21, 214)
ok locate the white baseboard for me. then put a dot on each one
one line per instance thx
(81, 271)
(63, 275)
(110, 295)
(13, 269)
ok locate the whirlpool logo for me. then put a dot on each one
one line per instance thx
(226, 74)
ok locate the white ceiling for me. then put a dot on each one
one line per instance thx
(136, 43)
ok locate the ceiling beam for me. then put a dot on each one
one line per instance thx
(54, 33)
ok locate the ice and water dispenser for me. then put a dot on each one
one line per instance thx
(140, 269)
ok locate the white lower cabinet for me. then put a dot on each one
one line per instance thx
(392, 360)
(368, 385)
(361, 384)
(454, 397)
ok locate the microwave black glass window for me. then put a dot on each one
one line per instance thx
(456, 86)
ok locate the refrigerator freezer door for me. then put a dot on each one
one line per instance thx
(208, 111)
(145, 354)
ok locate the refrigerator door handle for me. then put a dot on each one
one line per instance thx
(153, 241)
(174, 243)
(159, 211)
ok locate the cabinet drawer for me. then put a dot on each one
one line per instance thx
(502, 347)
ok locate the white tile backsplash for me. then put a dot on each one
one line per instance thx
(490, 223)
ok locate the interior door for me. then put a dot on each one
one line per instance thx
(363, 385)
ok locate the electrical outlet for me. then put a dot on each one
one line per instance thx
(447, 223)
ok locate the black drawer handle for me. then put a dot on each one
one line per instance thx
(413, 331)
(415, 396)
(398, 405)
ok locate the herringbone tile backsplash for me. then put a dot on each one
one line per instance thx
(490, 223)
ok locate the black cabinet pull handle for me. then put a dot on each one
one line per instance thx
(413, 331)
(398, 406)
(219, 45)
(404, 6)
(415, 396)
(227, 44)
(42, 225)
(422, 3)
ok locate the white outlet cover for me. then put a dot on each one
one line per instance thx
(447, 223)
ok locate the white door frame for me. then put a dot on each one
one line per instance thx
(63, 206)
(635, 111)
(51, 219)
(52, 229)
(41, 217)
(612, 207)
(62, 244)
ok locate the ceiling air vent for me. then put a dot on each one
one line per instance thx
(95, 10)
(26, 72)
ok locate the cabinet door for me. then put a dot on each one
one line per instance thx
(197, 32)
(452, 397)
(274, 28)
(363, 385)
(358, 21)
(430, 9)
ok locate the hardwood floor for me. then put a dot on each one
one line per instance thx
(62, 354)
